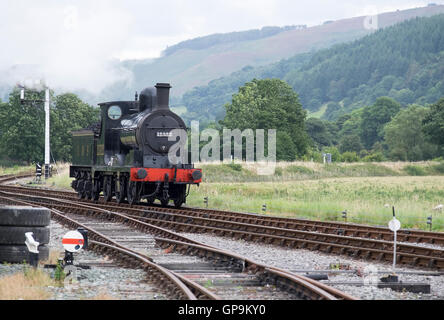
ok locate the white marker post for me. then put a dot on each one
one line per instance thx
(47, 144)
(394, 225)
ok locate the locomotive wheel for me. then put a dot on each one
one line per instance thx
(121, 195)
(107, 189)
(150, 200)
(96, 190)
(88, 190)
(133, 193)
(178, 202)
(80, 189)
(164, 202)
(181, 196)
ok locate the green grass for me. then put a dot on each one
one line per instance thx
(363, 198)
(319, 113)
(311, 170)
(15, 169)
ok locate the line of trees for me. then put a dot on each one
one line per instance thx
(382, 131)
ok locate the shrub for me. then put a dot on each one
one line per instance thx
(415, 171)
(235, 166)
(299, 170)
(438, 168)
(350, 157)
(374, 157)
(335, 154)
(313, 155)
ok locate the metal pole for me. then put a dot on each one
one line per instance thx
(47, 146)
(394, 253)
(394, 243)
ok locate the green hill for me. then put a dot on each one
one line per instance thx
(198, 61)
(404, 61)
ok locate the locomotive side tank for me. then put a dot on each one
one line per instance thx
(126, 155)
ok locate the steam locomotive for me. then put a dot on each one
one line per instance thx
(126, 155)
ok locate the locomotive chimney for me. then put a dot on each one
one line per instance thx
(163, 96)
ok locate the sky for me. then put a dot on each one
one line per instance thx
(73, 42)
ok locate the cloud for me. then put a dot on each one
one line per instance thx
(77, 44)
(70, 46)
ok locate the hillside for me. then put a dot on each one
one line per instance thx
(186, 67)
(405, 62)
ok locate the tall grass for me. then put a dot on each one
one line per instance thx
(27, 285)
(248, 172)
(364, 198)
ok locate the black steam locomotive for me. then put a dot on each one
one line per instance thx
(126, 154)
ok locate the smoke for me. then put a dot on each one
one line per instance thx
(69, 46)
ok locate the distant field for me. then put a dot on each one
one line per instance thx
(15, 169)
(366, 199)
(296, 171)
(316, 191)
(313, 190)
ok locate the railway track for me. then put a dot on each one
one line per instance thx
(127, 250)
(365, 248)
(336, 228)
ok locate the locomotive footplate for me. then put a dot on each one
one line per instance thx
(176, 175)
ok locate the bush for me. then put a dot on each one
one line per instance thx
(415, 171)
(313, 155)
(299, 170)
(235, 166)
(335, 154)
(374, 157)
(350, 157)
(438, 168)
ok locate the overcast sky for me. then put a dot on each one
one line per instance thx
(79, 37)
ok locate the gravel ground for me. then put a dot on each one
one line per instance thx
(291, 259)
(104, 280)
(112, 281)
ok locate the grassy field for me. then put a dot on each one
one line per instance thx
(364, 199)
(367, 191)
(15, 169)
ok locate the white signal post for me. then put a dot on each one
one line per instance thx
(394, 225)
(47, 121)
(47, 144)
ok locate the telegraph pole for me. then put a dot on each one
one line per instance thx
(47, 103)
(47, 145)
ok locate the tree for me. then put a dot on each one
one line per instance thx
(350, 143)
(22, 127)
(433, 124)
(318, 132)
(269, 104)
(374, 119)
(405, 138)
